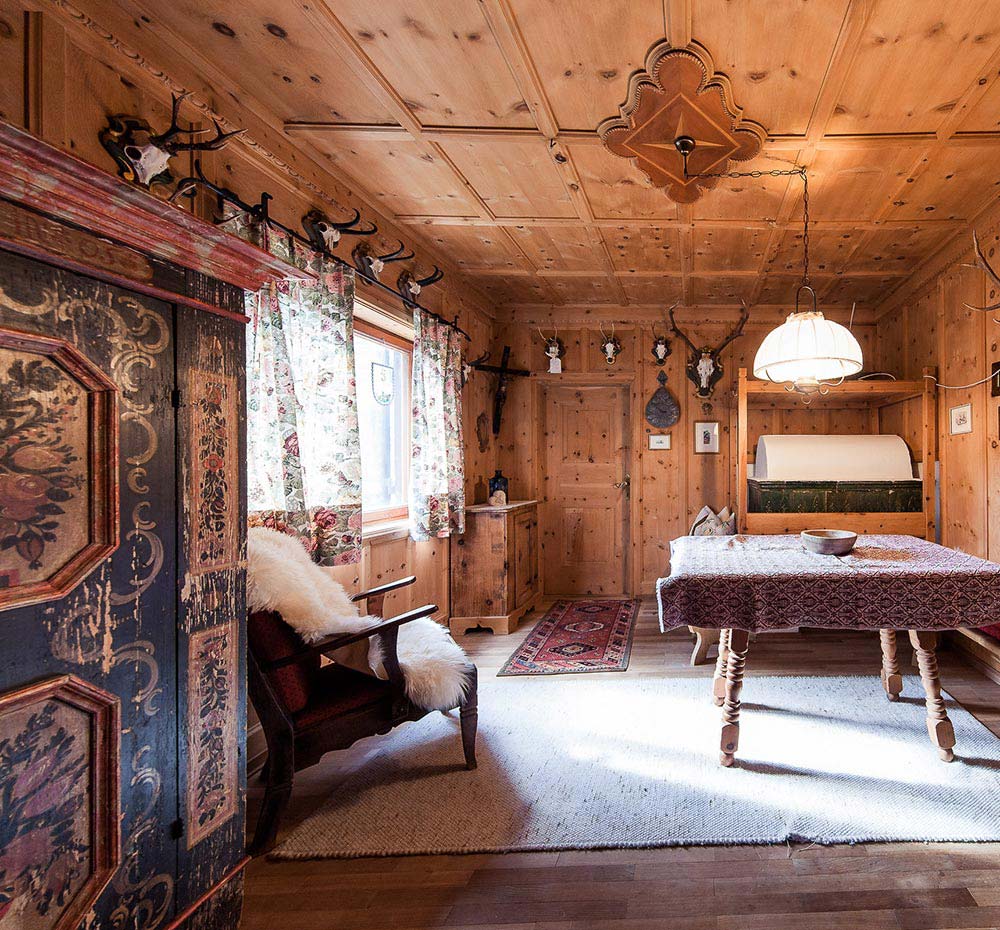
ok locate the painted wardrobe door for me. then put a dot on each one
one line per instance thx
(211, 632)
(114, 625)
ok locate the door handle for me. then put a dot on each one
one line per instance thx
(625, 483)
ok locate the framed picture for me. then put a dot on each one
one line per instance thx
(961, 419)
(706, 436)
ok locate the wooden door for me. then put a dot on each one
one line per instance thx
(584, 515)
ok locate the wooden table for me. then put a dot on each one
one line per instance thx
(746, 584)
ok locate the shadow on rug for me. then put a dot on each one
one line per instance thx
(603, 763)
(577, 636)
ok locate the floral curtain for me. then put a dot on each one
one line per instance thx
(304, 452)
(437, 468)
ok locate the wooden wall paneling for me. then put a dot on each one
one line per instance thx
(963, 459)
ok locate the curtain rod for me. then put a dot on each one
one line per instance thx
(261, 212)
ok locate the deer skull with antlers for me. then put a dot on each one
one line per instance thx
(410, 287)
(143, 156)
(704, 369)
(367, 262)
(324, 233)
(985, 266)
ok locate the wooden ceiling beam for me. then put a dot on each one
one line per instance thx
(645, 222)
(388, 132)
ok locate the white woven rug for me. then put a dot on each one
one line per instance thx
(571, 763)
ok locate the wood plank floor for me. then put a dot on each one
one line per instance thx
(902, 886)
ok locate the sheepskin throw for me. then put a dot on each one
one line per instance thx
(282, 577)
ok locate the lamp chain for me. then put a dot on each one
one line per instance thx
(799, 170)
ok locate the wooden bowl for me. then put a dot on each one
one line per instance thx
(829, 542)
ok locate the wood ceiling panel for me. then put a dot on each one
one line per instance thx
(852, 183)
(956, 185)
(584, 55)
(913, 63)
(775, 53)
(472, 247)
(747, 198)
(728, 249)
(558, 248)
(513, 178)
(719, 289)
(275, 54)
(441, 58)
(616, 189)
(599, 289)
(663, 289)
(515, 289)
(984, 116)
(780, 290)
(828, 250)
(644, 248)
(403, 173)
(899, 248)
(846, 290)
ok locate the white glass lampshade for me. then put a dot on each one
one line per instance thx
(808, 348)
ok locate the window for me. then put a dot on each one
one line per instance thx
(382, 367)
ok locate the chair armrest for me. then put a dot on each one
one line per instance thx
(339, 640)
(384, 589)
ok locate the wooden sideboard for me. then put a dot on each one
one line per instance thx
(494, 567)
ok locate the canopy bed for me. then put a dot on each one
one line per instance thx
(764, 507)
(746, 584)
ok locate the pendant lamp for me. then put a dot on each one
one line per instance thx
(807, 353)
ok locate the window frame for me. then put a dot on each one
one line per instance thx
(373, 518)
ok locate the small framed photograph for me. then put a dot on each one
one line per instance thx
(961, 419)
(706, 436)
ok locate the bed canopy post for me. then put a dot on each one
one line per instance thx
(741, 452)
(929, 451)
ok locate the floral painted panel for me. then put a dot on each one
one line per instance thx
(213, 492)
(43, 466)
(437, 469)
(57, 444)
(213, 740)
(58, 810)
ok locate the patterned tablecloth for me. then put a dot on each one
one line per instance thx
(771, 582)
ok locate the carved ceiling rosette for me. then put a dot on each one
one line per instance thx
(679, 93)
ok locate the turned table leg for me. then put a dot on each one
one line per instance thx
(939, 727)
(892, 680)
(738, 645)
(719, 679)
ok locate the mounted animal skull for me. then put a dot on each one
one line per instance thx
(410, 287)
(704, 369)
(367, 262)
(324, 234)
(661, 346)
(985, 266)
(143, 156)
(611, 346)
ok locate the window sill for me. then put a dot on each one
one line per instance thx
(385, 530)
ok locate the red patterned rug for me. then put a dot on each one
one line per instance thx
(577, 636)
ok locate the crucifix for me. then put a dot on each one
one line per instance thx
(504, 374)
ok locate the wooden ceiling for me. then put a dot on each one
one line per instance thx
(474, 123)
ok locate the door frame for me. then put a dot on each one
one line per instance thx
(625, 382)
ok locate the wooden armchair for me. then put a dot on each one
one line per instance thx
(307, 709)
